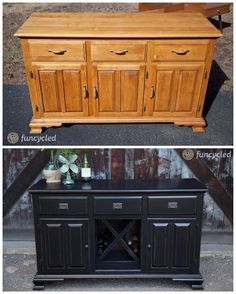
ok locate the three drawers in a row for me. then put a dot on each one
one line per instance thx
(123, 205)
(75, 50)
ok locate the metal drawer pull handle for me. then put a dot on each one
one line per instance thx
(86, 246)
(60, 52)
(172, 205)
(117, 205)
(149, 246)
(85, 92)
(63, 206)
(180, 52)
(122, 52)
(152, 92)
(95, 92)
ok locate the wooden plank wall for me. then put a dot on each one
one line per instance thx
(129, 164)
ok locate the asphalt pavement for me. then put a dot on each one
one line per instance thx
(218, 110)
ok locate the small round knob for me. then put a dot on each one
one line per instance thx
(86, 246)
(149, 246)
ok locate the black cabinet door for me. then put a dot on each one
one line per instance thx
(171, 245)
(64, 245)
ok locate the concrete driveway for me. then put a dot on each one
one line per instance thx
(19, 267)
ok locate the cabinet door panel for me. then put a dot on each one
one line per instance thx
(64, 246)
(176, 87)
(118, 89)
(186, 90)
(49, 90)
(61, 89)
(182, 233)
(160, 245)
(77, 239)
(106, 91)
(171, 246)
(72, 90)
(53, 247)
(164, 86)
(129, 90)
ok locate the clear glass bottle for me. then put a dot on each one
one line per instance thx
(85, 169)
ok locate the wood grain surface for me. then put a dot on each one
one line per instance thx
(117, 25)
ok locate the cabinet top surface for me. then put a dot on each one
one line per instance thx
(109, 186)
(118, 25)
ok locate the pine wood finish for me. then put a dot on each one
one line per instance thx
(117, 68)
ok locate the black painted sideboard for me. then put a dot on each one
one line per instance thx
(124, 229)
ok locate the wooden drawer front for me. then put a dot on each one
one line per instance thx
(69, 205)
(58, 50)
(118, 205)
(172, 205)
(120, 51)
(178, 52)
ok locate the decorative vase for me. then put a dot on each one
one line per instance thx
(50, 172)
(52, 176)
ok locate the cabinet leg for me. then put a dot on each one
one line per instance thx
(197, 129)
(35, 130)
(38, 286)
(197, 285)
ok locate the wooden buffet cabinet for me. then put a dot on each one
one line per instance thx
(164, 216)
(117, 67)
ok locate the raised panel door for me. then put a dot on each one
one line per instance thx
(170, 245)
(182, 245)
(77, 245)
(52, 244)
(61, 89)
(64, 245)
(174, 89)
(118, 89)
(48, 80)
(159, 245)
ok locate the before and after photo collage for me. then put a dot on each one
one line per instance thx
(117, 146)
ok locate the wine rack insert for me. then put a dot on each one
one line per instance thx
(118, 244)
(126, 229)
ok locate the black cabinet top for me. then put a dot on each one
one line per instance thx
(109, 186)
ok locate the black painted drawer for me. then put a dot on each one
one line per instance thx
(69, 205)
(172, 205)
(118, 205)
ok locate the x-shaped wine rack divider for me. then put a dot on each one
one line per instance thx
(118, 237)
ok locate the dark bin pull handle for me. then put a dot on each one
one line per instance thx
(172, 205)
